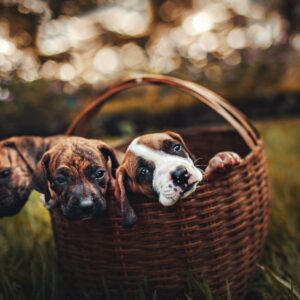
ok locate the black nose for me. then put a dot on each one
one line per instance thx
(180, 175)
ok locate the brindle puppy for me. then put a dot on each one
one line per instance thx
(160, 165)
(75, 175)
(18, 159)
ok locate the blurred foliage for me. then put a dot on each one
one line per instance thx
(28, 262)
(218, 43)
(282, 253)
(40, 109)
(56, 56)
(149, 108)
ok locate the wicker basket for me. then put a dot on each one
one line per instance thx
(216, 234)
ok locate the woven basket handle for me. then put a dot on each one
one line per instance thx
(233, 116)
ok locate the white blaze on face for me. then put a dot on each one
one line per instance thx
(165, 164)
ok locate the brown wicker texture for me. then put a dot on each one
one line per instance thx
(216, 234)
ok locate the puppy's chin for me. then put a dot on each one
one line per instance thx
(173, 194)
(167, 200)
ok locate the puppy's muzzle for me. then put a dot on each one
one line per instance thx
(4, 195)
(180, 176)
(84, 208)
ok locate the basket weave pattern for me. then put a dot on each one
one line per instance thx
(216, 234)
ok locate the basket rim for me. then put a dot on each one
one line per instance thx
(218, 128)
(232, 115)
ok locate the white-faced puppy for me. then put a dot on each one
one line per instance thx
(160, 165)
(18, 159)
(157, 165)
(75, 175)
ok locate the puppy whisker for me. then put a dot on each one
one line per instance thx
(201, 166)
(197, 159)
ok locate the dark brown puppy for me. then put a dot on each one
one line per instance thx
(75, 175)
(160, 165)
(18, 159)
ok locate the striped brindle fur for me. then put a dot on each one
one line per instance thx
(75, 176)
(18, 159)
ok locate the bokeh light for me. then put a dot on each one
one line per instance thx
(116, 38)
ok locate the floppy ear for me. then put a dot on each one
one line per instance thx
(108, 152)
(129, 217)
(29, 148)
(179, 138)
(41, 175)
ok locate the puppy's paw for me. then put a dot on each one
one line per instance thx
(221, 163)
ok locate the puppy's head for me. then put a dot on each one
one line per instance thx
(75, 176)
(18, 158)
(156, 165)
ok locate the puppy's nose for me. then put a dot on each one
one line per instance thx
(86, 203)
(180, 175)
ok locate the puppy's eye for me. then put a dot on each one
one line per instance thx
(99, 174)
(60, 179)
(177, 147)
(144, 171)
(5, 173)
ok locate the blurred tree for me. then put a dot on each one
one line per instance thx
(39, 111)
(55, 52)
(291, 11)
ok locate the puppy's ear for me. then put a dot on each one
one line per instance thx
(41, 176)
(28, 148)
(109, 153)
(129, 217)
(179, 138)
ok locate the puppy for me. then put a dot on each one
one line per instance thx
(18, 159)
(160, 165)
(75, 175)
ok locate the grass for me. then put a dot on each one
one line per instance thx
(280, 279)
(27, 256)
